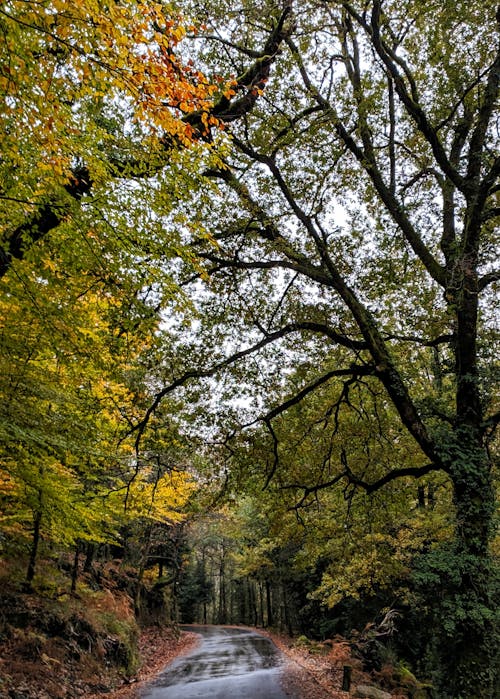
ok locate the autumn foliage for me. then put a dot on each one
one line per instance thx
(67, 67)
(90, 95)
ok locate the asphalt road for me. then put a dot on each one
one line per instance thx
(228, 664)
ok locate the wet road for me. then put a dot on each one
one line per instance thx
(228, 664)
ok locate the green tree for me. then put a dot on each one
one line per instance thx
(357, 210)
(74, 352)
(101, 119)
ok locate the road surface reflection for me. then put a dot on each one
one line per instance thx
(228, 664)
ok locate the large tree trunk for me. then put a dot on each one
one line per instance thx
(470, 651)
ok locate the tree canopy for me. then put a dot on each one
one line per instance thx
(269, 229)
(355, 255)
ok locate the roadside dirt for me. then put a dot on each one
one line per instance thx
(313, 676)
(157, 649)
(308, 673)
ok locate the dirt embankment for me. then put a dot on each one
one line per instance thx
(157, 648)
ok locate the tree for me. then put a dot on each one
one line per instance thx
(104, 121)
(110, 100)
(71, 383)
(357, 210)
(85, 92)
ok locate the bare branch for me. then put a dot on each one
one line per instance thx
(488, 279)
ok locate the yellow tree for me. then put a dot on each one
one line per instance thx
(91, 95)
(99, 115)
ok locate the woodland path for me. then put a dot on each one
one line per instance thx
(229, 663)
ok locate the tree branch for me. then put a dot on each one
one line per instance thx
(491, 422)
(488, 279)
(410, 98)
(440, 340)
(237, 356)
(414, 472)
(369, 488)
(478, 137)
(355, 371)
(310, 490)
(251, 83)
(254, 79)
(270, 232)
(368, 163)
(275, 464)
(386, 370)
(47, 217)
